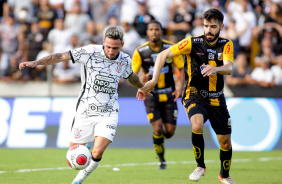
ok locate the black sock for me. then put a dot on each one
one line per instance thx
(198, 148)
(225, 158)
(159, 146)
(96, 160)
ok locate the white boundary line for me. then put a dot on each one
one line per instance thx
(263, 159)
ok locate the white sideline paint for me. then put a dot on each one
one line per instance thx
(263, 159)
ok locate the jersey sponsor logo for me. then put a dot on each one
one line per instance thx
(112, 127)
(109, 69)
(222, 41)
(212, 51)
(169, 60)
(167, 45)
(175, 113)
(78, 53)
(101, 84)
(229, 122)
(103, 109)
(219, 56)
(227, 49)
(164, 70)
(198, 39)
(211, 56)
(154, 56)
(144, 48)
(200, 53)
(183, 44)
(119, 67)
(205, 94)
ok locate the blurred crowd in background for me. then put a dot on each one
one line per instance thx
(32, 29)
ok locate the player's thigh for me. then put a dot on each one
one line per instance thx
(197, 112)
(82, 130)
(152, 108)
(106, 126)
(220, 119)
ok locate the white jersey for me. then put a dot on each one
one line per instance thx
(99, 79)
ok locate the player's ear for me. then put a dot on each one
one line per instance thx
(122, 43)
(221, 27)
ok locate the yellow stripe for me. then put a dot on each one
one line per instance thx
(162, 98)
(161, 82)
(197, 133)
(158, 136)
(214, 101)
(212, 78)
(223, 149)
(189, 73)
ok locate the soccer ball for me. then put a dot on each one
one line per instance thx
(78, 157)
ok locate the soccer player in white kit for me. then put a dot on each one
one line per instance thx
(102, 66)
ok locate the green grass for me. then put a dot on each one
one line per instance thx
(137, 166)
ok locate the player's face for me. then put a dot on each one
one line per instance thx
(212, 30)
(112, 47)
(154, 32)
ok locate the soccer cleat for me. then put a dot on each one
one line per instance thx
(162, 165)
(197, 174)
(75, 182)
(225, 180)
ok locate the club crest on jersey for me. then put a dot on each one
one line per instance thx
(227, 50)
(183, 44)
(119, 67)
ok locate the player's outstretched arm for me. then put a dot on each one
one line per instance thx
(48, 60)
(179, 87)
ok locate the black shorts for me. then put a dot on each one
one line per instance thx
(218, 115)
(167, 111)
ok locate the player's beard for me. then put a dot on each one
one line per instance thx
(214, 36)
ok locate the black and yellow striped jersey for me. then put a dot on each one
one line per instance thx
(145, 56)
(198, 52)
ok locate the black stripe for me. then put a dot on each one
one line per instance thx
(84, 86)
(71, 57)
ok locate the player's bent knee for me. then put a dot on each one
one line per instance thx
(169, 134)
(97, 153)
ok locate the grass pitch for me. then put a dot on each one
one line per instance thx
(137, 166)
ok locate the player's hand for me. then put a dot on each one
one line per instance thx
(27, 64)
(145, 90)
(208, 70)
(177, 94)
(141, 95)
(145, 77)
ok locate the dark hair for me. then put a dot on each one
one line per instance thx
(214, 14)
(115, 33)
(155, 22)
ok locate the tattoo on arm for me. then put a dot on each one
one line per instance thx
(54, 58)
(135, 81)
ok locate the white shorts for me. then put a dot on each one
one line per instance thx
(86, 128)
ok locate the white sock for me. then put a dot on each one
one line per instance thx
(83, 174)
